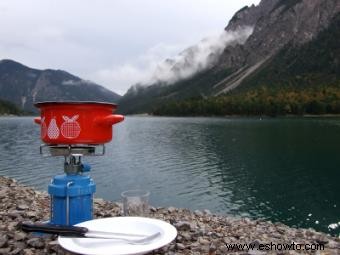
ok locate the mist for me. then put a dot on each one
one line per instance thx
(166, 64)
(198, 57)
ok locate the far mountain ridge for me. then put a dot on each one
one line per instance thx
(278, 25)
(25, 86)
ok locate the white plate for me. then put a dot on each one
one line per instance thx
(136, 225)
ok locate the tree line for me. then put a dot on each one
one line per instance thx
(8, 108)
(260, 101)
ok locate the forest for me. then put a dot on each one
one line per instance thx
(260, 101)
(8, 108)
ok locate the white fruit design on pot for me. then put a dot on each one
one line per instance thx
(53, 130)
(43, 128)
(70, 128)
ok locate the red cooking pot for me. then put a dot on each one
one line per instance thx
(76, 122)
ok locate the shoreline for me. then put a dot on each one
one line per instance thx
(199, 232)
(327, 115)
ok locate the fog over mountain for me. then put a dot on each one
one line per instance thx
(198, 57)
(256, 41)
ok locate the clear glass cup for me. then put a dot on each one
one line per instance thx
(135, 202)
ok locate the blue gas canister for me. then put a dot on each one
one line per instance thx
(72, 195)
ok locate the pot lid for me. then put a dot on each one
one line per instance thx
(46, 103)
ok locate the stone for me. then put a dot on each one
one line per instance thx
(255, 243)
(36, 243)
(3, 240)
(28, 252)
(322, 240)
(179, 238)
(14, 214)
(12, 225)
(207, 212)
(198, 213)
(19, 244)
(171, 209)
(15, 251)
(19, 236)
(334, 245)
(187, 236)
(153, 209)
(180, 246)
(5, 251)
(22, 207)
(31, 214)
(212, 249)
(203, 241)
(183, 226)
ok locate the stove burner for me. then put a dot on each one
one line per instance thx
(67, 150)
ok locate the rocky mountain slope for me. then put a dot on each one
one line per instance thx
(294, 22)
(281, 30)
(24, 86)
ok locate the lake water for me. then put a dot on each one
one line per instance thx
(285, 170)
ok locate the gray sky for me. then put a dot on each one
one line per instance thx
(114, 43)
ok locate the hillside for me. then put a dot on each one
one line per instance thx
(23, 86)
(7, 108)
(293, 46)
(316, 63)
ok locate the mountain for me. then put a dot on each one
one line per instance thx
(293, 46)
(24, 86)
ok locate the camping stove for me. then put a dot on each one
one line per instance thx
(73, 130)
(72, 192)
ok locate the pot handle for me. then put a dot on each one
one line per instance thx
(37, 120)
(110, 120)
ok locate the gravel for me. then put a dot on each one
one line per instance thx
(199, 232)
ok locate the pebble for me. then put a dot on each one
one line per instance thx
(206, 211)
(19, 236)
(199, 232)
(22, 207)
(28, 252)
(172, 209)
(183, 226)
(36, 242)
(203, 241)
(15, 251)
(321, 240)
(198, 213)
(180, 246)
(3, 240)
(4, 251)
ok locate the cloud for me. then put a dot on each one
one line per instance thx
(77, 82)
(198, 57)
(151, 67)
(120, 78)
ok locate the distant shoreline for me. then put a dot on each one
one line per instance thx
(240, 116)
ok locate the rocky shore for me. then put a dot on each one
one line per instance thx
(199, 232)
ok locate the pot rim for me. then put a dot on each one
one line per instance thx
(46, 103)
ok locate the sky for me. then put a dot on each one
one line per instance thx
(114, 43)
